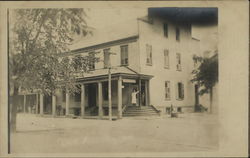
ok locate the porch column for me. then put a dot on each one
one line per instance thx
(82, 100)
(41, 104)
(67, 102)
(24, 103)
(54, 105)
(119, 97)
(100, 110)
(37, 102)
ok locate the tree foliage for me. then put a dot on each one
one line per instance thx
(206, 73)
(38, 38)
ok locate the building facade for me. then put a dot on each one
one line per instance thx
(149, 54)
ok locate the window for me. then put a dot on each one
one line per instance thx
(92, 61)
(149, 54)
(180, 91)
(165, 29)
(178, 60)
(167, 90)
(105, 90)
(106, 57)
(177, 34)
(166, 58)
(124, 55)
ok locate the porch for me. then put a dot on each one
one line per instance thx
(92, 99)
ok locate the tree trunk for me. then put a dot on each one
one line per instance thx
(13, 110)
(211, 100)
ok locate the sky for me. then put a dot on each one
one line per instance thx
(99, 18)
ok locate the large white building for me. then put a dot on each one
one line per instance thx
(151, 54)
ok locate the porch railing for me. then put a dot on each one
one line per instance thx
(124, 108)
(158, 111)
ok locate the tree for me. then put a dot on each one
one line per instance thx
(38, 42)
(206, 74)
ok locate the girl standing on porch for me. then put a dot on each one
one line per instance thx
(133, 96)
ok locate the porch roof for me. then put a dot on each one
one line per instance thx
(115, 71)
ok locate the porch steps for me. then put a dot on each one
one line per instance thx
(134, 111)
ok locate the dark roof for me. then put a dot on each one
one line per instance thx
(184, 14)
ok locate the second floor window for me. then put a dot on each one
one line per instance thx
(149, 54)
(166, 59)
(167, 90)
(178, 60)
(124, 55)
(92, 61)
(180, 91)
(165, 29)
(177, 30)
(106, 57)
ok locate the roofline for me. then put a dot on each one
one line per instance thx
(101, 45)
(114, 75)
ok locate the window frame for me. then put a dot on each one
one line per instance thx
(180, 91)
(149, 51)
(166, 59)
(178, 62)
(124, 55)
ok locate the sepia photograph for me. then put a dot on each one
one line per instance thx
(113, 80)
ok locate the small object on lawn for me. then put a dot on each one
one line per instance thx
(174, 114)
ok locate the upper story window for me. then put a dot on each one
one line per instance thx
(124, 55)
(92, 61)
(106, 55)
(166, 59)
(178, 60)
(149, 54)
(165, 29)
(177, 30)
(167, 90)
(180, 91)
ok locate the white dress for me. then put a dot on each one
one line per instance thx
(133, 95)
